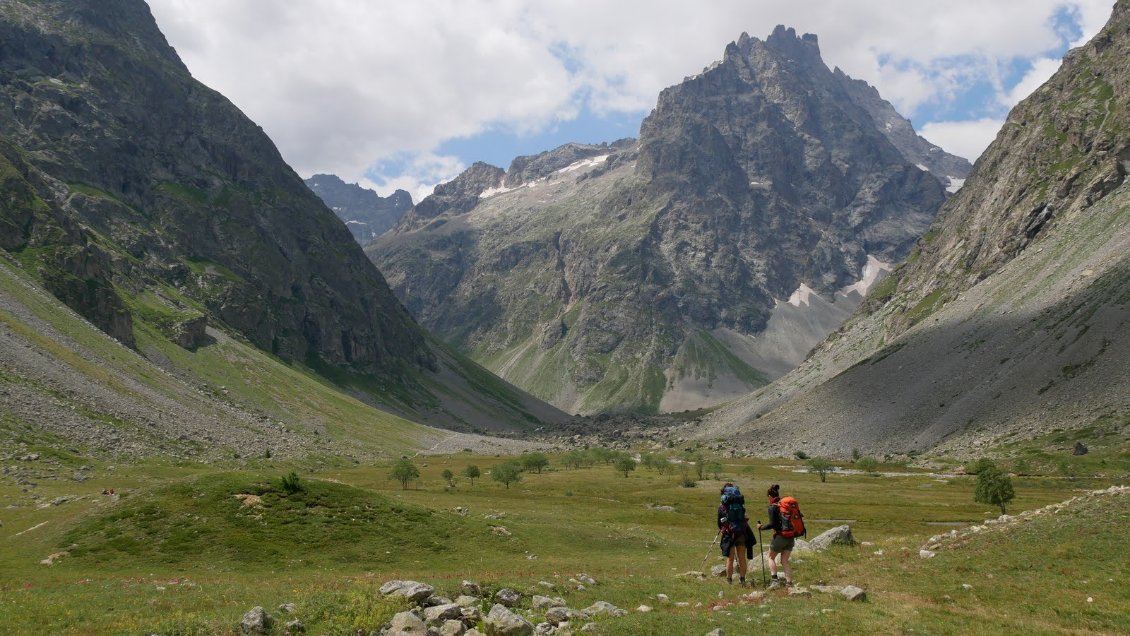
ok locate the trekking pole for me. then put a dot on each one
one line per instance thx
(711, 549)
(761, 544)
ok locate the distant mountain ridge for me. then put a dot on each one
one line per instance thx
(364, 212)
(654, 275)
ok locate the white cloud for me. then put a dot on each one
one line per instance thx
(1042, 69)
(963, 138)
(341, 85)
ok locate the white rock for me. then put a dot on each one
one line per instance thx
(926, 554)
(643, 608)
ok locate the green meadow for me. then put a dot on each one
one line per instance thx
(185, 548)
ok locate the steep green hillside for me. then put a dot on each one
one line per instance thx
(65, 383)
(154, 208)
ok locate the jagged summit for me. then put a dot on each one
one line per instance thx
(654, 274)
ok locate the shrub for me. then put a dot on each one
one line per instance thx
(975, 467)
(715, 468)
(868, 465)
(449, 477)
(800, 454)
(291, 483)
(534, 462)
(688, 482)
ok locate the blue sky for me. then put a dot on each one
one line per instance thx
(407, 95)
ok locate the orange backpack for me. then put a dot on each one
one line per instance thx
(792, 521)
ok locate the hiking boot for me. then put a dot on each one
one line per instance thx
(742, 582)
(729, 580)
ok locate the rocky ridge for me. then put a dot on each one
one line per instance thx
(364, 212)
(1009, 318)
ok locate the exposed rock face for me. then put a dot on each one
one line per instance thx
(649, 275)
(457, 196)
(364, 212)
(173, 186)
(952, 170)
(1012, 316)
(138, 194)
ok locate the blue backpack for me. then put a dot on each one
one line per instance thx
(734, 502)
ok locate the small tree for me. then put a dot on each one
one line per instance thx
(449, 477)
(573, 459)
(867, 464)
(507, 472)
(291, 483)
(534, 462)
(472, 472)
(624, 464)
(994, 486)
(715, 468)
(404, 471)
(821, 467)
(975, 467)
(699, 465)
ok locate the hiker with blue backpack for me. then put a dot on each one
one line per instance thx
(787, 523)
(736, 534)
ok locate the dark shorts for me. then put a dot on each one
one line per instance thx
(782, 544)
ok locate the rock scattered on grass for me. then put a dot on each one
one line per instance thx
(507, 597)
(256, 621)
(542, 603)
(500, 621)
(840, 535)
(406, 624)
(603, 608)
(414, 591)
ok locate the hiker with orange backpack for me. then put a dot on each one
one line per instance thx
(787, 523)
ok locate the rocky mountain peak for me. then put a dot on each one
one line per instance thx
(785, 41)
(456, 196)
(364, 212)
(665, 275)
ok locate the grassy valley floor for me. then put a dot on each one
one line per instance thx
(184, 548)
